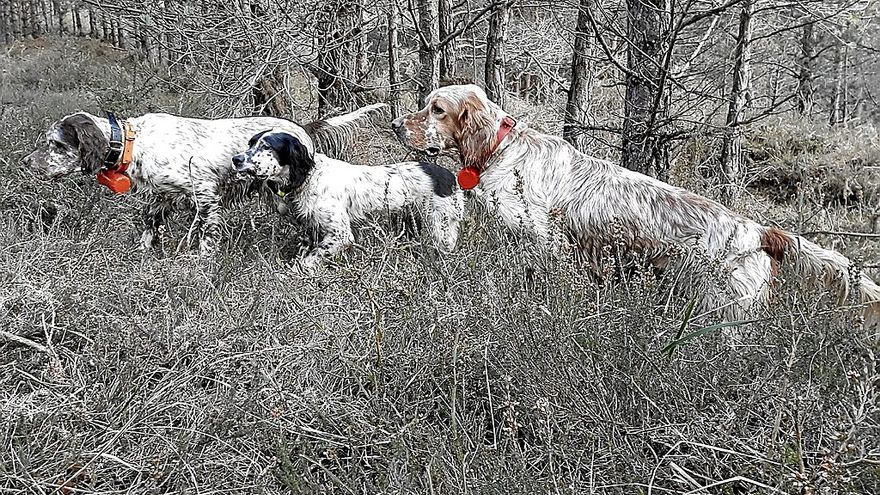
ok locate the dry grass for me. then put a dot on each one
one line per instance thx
(392, 371)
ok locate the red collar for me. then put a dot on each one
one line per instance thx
(469, 177)
(115, 177)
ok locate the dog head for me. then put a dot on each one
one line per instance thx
(275, 156)
(454, 118)
(75, 142)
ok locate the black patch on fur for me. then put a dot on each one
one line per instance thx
(256, 138)
(81, 132)
(292, 154)
(443, 180)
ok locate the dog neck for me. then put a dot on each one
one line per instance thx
(478, 158)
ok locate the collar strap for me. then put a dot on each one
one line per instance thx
(469, 176)
(116, 145)
(279, 190)
(507, 125)
(121, 151)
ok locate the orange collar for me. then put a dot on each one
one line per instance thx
(469, 177)
(114, 177)
(126, 157)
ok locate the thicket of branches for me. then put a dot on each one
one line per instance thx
(638, 75)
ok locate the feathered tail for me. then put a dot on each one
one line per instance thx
(333, 134)
(829, 267)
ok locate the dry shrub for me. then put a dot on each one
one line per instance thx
(395, 370)
(833, 165)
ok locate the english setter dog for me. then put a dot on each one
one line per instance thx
(330, 195)
(172, 157)
(535, 181)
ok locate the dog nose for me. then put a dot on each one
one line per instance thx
(397, 123)
(238, 162)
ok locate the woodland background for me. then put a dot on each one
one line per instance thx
(394, 370)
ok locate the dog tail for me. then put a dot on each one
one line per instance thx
(831, 268)
(333, 134)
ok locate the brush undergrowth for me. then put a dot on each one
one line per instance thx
(393, 369)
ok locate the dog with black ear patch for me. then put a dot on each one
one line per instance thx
(174, 157)
(330, 195)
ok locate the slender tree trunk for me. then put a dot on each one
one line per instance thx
(731, 150)
(270, 96)
(93, 24)
(36, 18)
(644, 149)
(394, 59)
(805, 78)
(445, 27)
(429, 40)
(837, 100)
(336, 68)
(578, 100)
(24, 6)
(5, 31)
(495, 63)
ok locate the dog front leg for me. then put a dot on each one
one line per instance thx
(155, 215)
(210, 220)
(337, 237)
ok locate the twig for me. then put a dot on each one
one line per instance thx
(21, 340)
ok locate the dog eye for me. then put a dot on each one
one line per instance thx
(436, 110)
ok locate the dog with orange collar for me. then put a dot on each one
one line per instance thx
(169, 157)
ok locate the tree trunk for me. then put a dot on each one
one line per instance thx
(93, 24)
(335, 68)
(270, 97)
(578, 100)
(837, 100)
(36, 18)
(644, 149)
(805, 78)
(394, 60)
(429, 39)
(445, 27)
(495, 40)
(14, 20)
(5, 31)
(731, 150)
(25, 15)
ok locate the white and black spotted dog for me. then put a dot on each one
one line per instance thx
(176, 157)
(330, 195)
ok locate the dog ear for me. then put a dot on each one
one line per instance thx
(475, 131)
(292, 153)
(81, 131)
(256, 138)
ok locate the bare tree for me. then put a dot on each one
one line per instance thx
(394, 59)
(495, 41)
(644, 150)
(578, 96)
(805, 76)
(838, 96)
(731, 150)
(429, 46)
(445, 27)
(5, 31)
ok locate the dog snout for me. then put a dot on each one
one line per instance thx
(397, 123)
(238, 162)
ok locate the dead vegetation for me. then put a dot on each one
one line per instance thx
(392, 371)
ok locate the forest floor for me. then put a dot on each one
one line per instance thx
(393, 370)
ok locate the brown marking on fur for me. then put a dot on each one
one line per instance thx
(775, 242)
